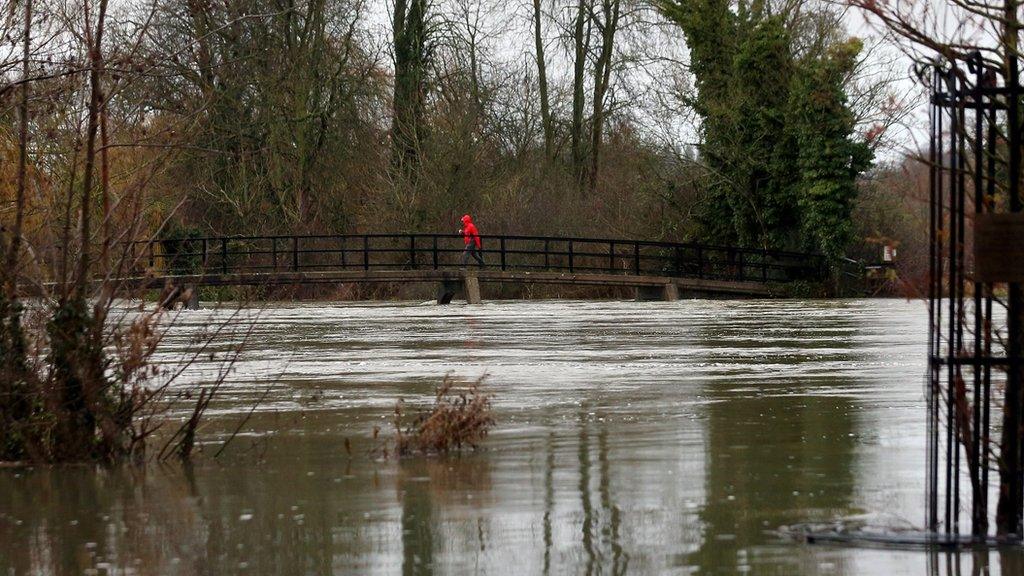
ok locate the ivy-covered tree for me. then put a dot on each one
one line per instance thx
(777, 134)
(829, 156)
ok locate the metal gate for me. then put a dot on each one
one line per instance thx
(975, 299)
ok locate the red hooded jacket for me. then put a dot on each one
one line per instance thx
(469, 232)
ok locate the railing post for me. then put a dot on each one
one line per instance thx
(412, 250)
(501, 243)
(152, 256)
(611, 257)
(224, 255)
(570, 257)
(295, 253)
(206, 253)
(636, 258)
(343, 263)
(433, 251)
(273, 252)
(547, 254)
(366, 252)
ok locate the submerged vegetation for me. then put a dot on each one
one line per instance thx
(460, 416)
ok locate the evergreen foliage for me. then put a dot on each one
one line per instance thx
(778, 137)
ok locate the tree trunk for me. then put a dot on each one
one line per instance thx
(542, 78)
(105, 188)
(1008, 509)
(89, 166)
(580, 43)
(11, 257)
(602, 78)
(409, 34)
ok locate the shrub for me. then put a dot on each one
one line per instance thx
(460, 416)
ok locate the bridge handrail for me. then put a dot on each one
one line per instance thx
(707, 260)
(623, 241)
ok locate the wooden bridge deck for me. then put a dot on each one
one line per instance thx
(653, 268)
(695, 285)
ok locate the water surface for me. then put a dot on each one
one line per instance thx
(661, 438)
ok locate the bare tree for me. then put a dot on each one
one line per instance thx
(581, 46)
(410, 32)
(608, 25)
(542, 79)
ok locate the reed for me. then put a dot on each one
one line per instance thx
(461, 416)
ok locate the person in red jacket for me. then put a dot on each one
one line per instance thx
(472, 239)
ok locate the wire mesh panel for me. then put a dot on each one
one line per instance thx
(974, 398)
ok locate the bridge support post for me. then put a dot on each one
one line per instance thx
(468, 285)
(671, 292)
(665, 293)
(192, 291)
(472, 288)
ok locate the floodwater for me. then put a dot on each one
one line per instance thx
(641, 438)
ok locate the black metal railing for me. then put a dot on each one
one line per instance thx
(310, 253)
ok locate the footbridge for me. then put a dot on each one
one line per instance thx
(656, 270)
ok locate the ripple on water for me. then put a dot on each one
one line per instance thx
(648, 437)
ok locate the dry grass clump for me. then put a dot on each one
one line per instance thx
(460, 416)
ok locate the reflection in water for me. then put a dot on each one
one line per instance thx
(417, 527)
(549, 499)
(460, 484)
(754, 484)
(600, 526)
(776, 452)
(620, 561)
(975, 562)
(632, 438)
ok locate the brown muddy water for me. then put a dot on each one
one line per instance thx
(642, 438)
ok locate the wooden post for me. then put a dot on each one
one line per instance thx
(295, 253)
(636, 258)
(434, 252)
(273, 252)
(224, 255)
(611, 257)
(366, 252)
(570, 257)
(206, 252)
(547, 254)
(412, 250)
(343, 263)
(502, 245)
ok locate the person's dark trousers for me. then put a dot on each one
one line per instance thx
(472, 250)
